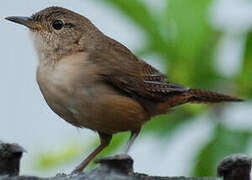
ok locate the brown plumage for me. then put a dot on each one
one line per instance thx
(93, 81)
(205, 96)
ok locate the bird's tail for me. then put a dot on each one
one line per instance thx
(195, 96)
(205, 96)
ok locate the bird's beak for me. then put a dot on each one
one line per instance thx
(26, 21)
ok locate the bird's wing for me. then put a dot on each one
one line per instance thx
(124, 71)
(156, 83)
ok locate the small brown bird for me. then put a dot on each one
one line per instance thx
(93, 81)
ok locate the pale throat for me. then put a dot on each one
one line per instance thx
(46, 51)
(50, 49)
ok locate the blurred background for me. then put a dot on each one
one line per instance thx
(201, 44)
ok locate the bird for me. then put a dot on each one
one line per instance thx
(92, 81)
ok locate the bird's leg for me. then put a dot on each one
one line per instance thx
(105, 140)
(132, 139)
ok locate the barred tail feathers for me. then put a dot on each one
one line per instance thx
(205, 96)
(195, 96)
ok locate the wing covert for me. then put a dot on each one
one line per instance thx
(126, 72)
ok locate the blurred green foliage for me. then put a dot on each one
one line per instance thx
(246, 73)
(181, 34)
(51, 159)
(224, 142)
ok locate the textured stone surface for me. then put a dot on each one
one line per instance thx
(118, 167)
(10, 155)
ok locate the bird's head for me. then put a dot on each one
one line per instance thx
(57, 31)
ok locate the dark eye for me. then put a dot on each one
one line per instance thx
(57, 24)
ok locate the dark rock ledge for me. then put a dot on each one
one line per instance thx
(118, 167)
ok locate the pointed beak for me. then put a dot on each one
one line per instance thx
(26, 21)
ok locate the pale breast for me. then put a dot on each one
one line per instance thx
(59, 81)
(73, 90)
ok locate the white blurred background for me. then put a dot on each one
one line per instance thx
(27, 120)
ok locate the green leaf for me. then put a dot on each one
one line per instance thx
(245, 79)
(193, 42)
(192, 29)
(224, 142)
(145, 19)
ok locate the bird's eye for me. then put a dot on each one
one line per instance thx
(57, 24)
